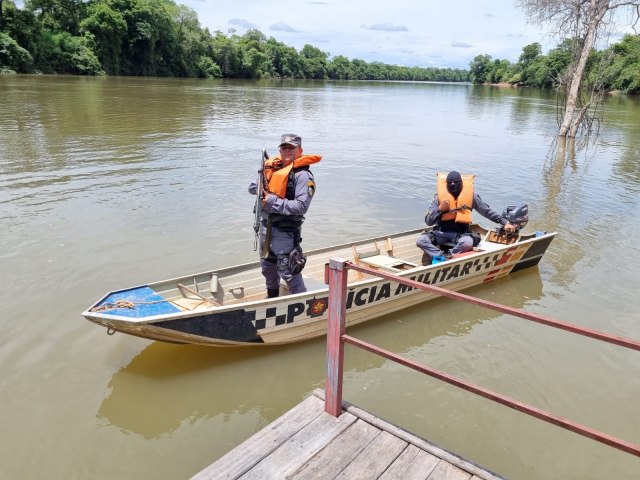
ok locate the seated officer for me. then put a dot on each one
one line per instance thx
(450, 212)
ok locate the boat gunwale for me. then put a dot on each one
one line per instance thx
(96, 316)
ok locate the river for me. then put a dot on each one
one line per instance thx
(107, 183)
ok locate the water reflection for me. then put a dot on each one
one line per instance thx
(230, 382)
(154, 394)
(417, 327)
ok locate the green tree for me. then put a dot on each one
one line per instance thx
(150, 38)
(12, 56)
(314, 62)
(256, 63)
(557, 63)
(192, 44)
(358, 69)
(376, 71)
(226, 54)
(500, 71)
(340, 68)
(23, 27)
(62, 52)
(480, 68)
(624, 71)
(285, 61)
(207, 68)
(530, 54)
(58, 15)
(108, 29)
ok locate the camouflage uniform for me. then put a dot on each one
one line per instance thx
(287, 215)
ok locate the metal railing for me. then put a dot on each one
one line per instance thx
(337, 273)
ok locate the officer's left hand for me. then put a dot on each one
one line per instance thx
(509, 228)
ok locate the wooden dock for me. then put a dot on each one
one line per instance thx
(306, 442)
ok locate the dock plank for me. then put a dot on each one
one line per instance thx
(238, 461)
(306, 442)
(338, 454)
(412, 464)
(447, 471)
(421, 443)
(373, 460)
(295, 452)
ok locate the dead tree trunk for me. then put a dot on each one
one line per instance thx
(580, 20)
(571, 120)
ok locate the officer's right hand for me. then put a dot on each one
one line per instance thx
(444, 206)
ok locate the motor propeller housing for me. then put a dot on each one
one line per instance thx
(517, 215)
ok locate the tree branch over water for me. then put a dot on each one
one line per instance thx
(584, 21)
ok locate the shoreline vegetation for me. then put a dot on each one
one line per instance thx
(162, 38)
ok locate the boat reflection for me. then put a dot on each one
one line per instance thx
(166, 385)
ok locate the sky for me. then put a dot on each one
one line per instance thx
(425, 33)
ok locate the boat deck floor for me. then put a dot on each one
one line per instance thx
(306, 442)
(191, 300)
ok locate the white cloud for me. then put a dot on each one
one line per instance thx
(242, 23)
(403, 32)
(282, 27)
(386, 27)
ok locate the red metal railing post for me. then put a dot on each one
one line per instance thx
(336, 276)
(337, 273)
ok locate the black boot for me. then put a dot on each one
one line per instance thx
(273, 292)
(426, 259)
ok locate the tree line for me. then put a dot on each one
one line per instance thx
(615, 68)
(163, 38)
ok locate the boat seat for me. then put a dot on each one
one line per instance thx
(387, 263)
(313, 283)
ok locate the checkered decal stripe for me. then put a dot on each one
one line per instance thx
(271, 317)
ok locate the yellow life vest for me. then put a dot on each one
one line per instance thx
(465, 198)
(278, 176)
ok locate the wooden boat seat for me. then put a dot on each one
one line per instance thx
(189, 293)
(190, 304)
(386, 262)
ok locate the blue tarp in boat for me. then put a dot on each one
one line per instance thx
(146, 303)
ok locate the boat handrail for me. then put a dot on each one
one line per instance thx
(337, 272)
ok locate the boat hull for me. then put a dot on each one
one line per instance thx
(293, 318)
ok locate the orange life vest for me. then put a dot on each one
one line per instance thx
(278, 176)
(465, 198)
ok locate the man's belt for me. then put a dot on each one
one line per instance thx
(284, 225)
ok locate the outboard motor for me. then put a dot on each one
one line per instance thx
(517, 215)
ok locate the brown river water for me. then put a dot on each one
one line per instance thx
(107, 183)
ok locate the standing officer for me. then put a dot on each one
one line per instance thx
(289, 189)
(450, 212)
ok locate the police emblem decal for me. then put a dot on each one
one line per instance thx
(317, 306)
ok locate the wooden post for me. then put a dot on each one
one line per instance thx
(337, 273)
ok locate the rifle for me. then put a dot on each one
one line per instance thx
(257, 209)
(266, 246)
